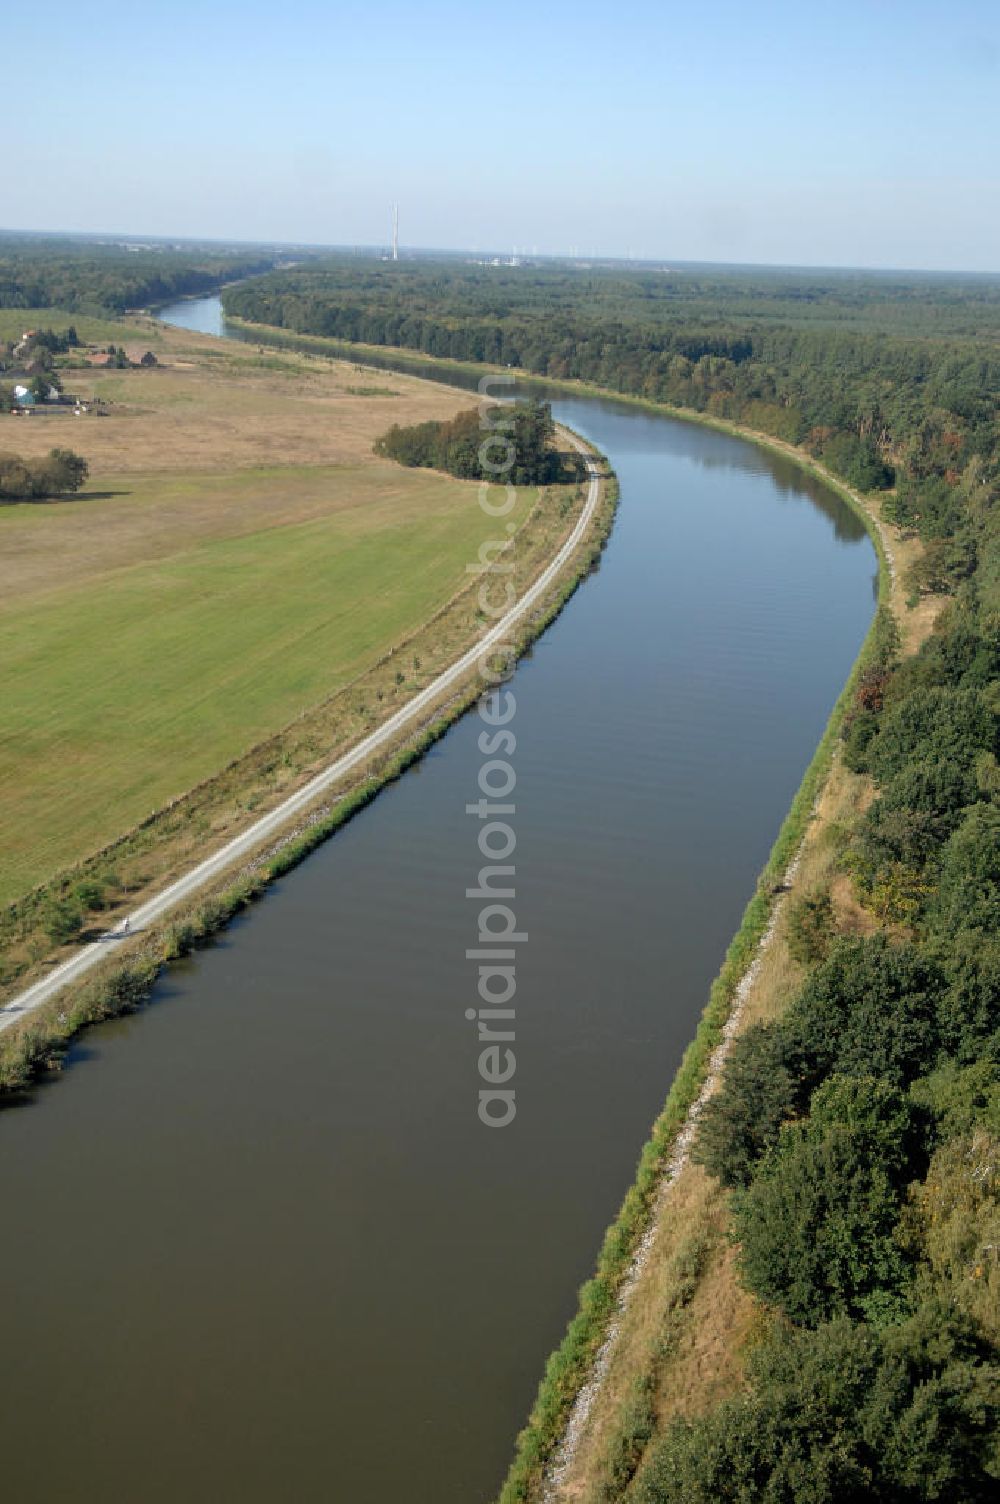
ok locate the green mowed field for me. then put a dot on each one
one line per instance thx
(128, 680)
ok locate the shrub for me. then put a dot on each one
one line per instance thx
(755, 1097)
(969, 1010)
(62, 920)
(858, 733)
(810, 928)
(959, 1098)
(945, 562)
(891, 853)
(869, 1009)
(955, 1225)
(843, 1415)
(931, 725)
(818, 1222)
(968, 896)
(89, 894)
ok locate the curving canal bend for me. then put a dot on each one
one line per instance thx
(261, 1244)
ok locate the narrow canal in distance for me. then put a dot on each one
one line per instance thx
(257, 1244)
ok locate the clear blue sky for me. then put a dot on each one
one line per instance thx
(863, 134)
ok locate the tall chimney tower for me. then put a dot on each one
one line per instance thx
(395, 232)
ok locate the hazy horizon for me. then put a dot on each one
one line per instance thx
(380, 248)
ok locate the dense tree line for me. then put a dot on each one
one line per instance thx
(467, 294)
(96, 278)
(60, 473)
(831, 366)
(518, 448)
(859, 1133)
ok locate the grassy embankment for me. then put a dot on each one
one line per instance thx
(243, 586)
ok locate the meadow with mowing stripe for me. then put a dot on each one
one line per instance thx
(123, 689)
(158, 626)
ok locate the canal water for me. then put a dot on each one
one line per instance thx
(256, 1243)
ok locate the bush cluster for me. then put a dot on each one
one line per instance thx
(517, 449)
(60, 473)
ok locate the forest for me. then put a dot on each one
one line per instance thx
(462, 294)
(96, 278)
(858, 1135)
